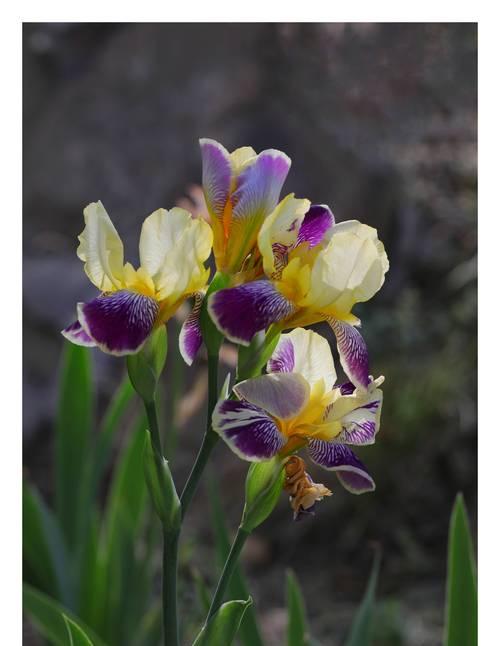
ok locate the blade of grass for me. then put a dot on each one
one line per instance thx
(249, 630)
(360, 634)
(76, 636)
(297, 627)
(44, 551)
(461, 585)
(73, 428)
(223, 627)
(47, 615)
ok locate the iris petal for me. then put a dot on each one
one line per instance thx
(239, 312)
(315, 225)
(216, 174)
(119, 323)
(248, 430)
(190, 337)
(283, 395)
(307, 353)
(351, 472)
(77, 335)
(352, 351)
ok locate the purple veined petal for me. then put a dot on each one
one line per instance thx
(248, 430)
(190, 337)
(283, 357)
(350, 471)
(120, 322)
(283, 395)
(239, 312)
(259, 185)
(216, 175)
(317, 221)
(360, 426)
(77, 335)
(352, 351)
(346, 388)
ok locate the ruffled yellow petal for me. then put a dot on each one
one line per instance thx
(350, 270)
(173, 249)
(101, 249)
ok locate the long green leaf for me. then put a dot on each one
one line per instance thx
(76, 636)
(297, 627)
(74, 425)
(47, 615)
(123, 524)
(249, 630)
(360, 634)
(222, 628)
(461, 586)
(44, 551)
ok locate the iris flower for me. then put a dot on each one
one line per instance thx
(241, 188)
(133, 302)
(297, 404)
(312, 270)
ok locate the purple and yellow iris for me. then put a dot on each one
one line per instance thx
(241, 189)
(312, 270)
(296, 405)
(173, 248)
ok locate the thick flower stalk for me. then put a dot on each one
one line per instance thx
(134, 302)
(312, 270)
(297, 405)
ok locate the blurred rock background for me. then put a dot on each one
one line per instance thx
(380, 122)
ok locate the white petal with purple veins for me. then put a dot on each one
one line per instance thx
(351, 472)
(352, 351)
(283, 395)
(190, 337)
(77, 335)
(248, 430)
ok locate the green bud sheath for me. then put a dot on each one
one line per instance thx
(264, 485)
(145, 367)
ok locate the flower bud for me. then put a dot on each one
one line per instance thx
(262, 490)
(145, 367)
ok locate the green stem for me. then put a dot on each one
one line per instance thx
(227, 572)
(209, 439)
(154, 429)
(170, 548)
(170, 551)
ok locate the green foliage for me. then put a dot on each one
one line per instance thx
(161, 487)
(223, 626)
(249, 631)
(263, 487)
(76, 636)
(51, 618)
(211, 335)
(461, 587)
(297, 627)
(361, 629)
(145, 367)
(73, 438)
(104, 575)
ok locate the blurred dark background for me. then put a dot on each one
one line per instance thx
(380, 122)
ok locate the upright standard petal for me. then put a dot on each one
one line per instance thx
(101, 249)
(119, 323)
(239, 312)
(257, 191)
(282, 395)
(351, 269)
(279, 232)
(216, 175)
(351, 472)
(307, 353)
(317, 222)
(248, 430)
(190, 337)
(180, 270)
(77, 335)
(352, 351)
